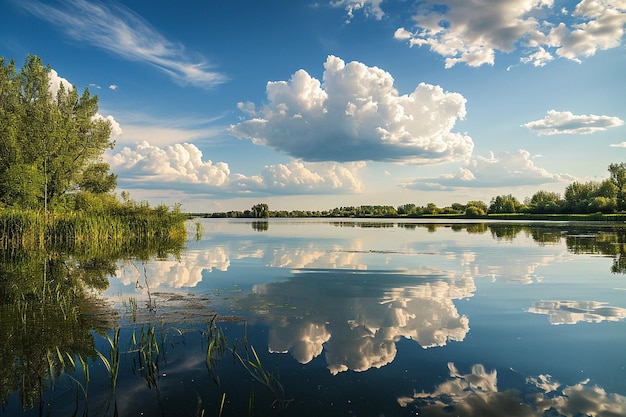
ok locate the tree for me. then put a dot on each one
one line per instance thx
(505, 204)
(545, 202)
(579, 197)
(57, 138)
(260, 210)
(431, 208)
(96, 179)
(475, 209)
(618, 178)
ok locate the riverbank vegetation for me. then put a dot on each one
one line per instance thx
(55, 188)
(593, 200)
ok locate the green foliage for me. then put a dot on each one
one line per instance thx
(128, 226)
(618, 178)
(21, 186)
(545, 202)
(591, 197)
(475, 209)
(96, 179)
(48, 142)
(505, 204)
(259, 211)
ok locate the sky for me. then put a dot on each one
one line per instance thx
(310, 105)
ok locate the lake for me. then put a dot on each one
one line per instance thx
(320, 317)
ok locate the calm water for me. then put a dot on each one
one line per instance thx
(341, 318)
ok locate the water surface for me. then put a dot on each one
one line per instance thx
(349, 317)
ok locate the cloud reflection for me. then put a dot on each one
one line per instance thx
(572, 312)
(476, 394)
(357, 317)
(174, 273)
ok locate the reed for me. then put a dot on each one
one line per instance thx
(69, 231)
(112, 363)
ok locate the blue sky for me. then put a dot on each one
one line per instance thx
(222, 104)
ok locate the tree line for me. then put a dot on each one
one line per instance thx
(607, 196)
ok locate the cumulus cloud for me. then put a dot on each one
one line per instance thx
(618, 145)
(356, 114)
(113, 87)
(504, 170)
(298, 176)
(471, 31)
(564, 122)
(121, 31)
(182, 165)
(55, 81)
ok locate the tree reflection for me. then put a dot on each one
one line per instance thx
(49, 311)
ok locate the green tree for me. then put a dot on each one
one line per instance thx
(259, 211)
(58, 137)
(431, 208)
(475, 209)
(618, 178)
(579, 197)
(545, 202)
(21, 185)
(505, 204)
(96, 179)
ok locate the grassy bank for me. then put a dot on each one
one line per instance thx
(125, 227)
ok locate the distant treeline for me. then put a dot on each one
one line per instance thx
(599, 198)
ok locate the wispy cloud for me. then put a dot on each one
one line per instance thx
(369, 7)
(472, 31)
(564, 122)
(121, 31)
(508, 169)
(356, 114)
(618, 145)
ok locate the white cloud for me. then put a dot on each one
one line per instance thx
(506, 169)
(356, 114)
(113, 87)
(300, 177)
(564, 122)
(600, 25)
(124, 33)
(369, 7)
(55, 81)
(471, 31)
(618, 145)
(182, 165)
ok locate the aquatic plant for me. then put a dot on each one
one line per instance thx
(80, 230)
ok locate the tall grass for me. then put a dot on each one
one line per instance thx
(68, 231)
